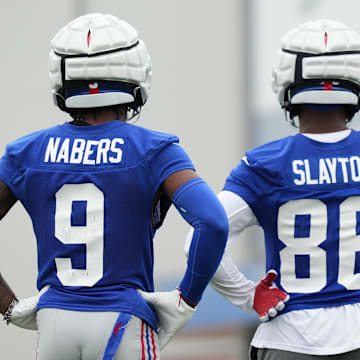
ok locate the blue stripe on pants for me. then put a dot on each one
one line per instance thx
(116, 336)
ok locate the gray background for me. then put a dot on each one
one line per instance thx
(212, 64)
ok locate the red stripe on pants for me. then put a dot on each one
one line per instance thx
(153, 343)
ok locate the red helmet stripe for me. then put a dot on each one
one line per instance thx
(89, 38)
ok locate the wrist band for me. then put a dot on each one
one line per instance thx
(193, 305)
(8, 312)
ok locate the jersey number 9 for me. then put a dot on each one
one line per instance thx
(91, 234)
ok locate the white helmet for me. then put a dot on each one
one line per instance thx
(319, 63)
(98, 60)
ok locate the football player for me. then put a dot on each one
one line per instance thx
(304, 191)
(97, 189)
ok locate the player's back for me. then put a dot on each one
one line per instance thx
(306, 196)
(90, 193)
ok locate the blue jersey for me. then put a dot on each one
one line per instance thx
(92, 193)
(306, 196)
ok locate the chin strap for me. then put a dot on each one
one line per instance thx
(133, 115)
(289, 118)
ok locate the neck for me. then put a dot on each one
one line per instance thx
(101, 116)
(319, 122)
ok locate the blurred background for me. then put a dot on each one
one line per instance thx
(212, 64)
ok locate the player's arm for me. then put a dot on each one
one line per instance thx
(228, 280)
(7, 200)
(200, 207)
(20, 312)
(6, 295)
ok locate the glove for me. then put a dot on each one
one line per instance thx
(24, 312)
(268, 300)
(172, 313)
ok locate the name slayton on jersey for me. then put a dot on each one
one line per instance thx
(84, 151)
(326, 170)
(305, 195)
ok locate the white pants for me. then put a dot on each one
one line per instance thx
(82, 335)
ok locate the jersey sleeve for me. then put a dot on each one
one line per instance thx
(170, 159)
(13, 163)
(10, 169)
(245, 181)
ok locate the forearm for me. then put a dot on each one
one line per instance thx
(203, 261)
(200, 207)
(7, 200)
(233, 285)
(6, 295)
(228, 280)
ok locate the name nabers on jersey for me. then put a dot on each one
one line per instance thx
(81, 151)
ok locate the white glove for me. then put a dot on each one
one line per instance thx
(24, 312)
(172, 313)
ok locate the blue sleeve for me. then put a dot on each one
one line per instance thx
(246, 182)
(168, 160)
(260, 171)
(9, 170)
(200, 207)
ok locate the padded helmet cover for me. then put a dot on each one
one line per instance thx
(318, 63)
(98, 60)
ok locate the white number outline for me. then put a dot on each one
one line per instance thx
(92, 235)
(349, 244)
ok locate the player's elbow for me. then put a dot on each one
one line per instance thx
(218, 225)
(221, 227)
(200, 207)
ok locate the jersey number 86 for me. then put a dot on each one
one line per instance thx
(309, 246)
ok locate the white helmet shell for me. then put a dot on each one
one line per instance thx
(318, 63)
(98, 60)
